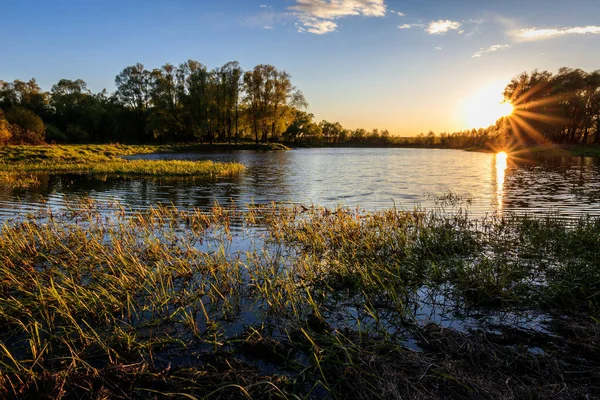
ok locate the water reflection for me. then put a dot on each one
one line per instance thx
(369, 178)
(501, 165)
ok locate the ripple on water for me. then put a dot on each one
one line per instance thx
(370, 178)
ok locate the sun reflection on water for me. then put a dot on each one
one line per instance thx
(501, 164)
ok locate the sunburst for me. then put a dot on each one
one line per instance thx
(526, 114)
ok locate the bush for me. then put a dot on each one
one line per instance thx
(5, 134)
(55, 135)
(25, 126)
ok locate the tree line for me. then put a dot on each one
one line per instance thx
(557, 108)
(185, 103)
(561, 108)
(189, 103)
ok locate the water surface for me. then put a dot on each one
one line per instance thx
(368, 178)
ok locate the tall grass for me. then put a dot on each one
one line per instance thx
(306, 302)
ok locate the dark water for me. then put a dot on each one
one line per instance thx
(368, 178)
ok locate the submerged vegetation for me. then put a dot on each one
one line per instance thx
(100, 301)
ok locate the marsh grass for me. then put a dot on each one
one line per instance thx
(18, 181)
(17, 163)
(100, 301)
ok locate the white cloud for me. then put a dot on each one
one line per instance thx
(331, 9)
(316, 26)
(491, 49)
(438, 47)
(547, 33)
(401, 14)
(317, 16)
(442, 26)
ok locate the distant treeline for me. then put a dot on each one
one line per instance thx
(189, 103)
(560, 108)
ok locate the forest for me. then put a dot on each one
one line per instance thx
(190, 103)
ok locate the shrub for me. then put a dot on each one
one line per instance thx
(25, 126)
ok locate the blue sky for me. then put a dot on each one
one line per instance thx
(407, 66)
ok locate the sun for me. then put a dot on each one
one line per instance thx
(484, 107)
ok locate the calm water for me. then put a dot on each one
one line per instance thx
(369, 178)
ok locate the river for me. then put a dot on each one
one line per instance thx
(363, 177)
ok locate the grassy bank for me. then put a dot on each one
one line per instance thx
(101, 152)
(17, 163)
(318, 303)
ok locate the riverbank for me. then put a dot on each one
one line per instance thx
(320, 303)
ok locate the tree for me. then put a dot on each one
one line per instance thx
(71, 102)
(133, 91)
(300, 128)
(270, 95)
(332, 131)
(167, 87)
(231, 80)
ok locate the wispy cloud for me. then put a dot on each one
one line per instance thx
(548, 33)
(491, 49)
(442, 26)
(409, 26)
(318, 16)
(401, 14)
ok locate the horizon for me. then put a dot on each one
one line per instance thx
(348, 57)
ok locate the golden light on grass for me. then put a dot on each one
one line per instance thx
(486, 106)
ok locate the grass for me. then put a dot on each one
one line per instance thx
(98, 160)
(17, 181)
(137, 168)
(97, 301)
(100, 152)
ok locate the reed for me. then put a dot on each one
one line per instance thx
(305, 302)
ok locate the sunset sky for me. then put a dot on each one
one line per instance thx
(408, 66)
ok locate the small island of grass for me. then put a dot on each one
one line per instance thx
(18, 164)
